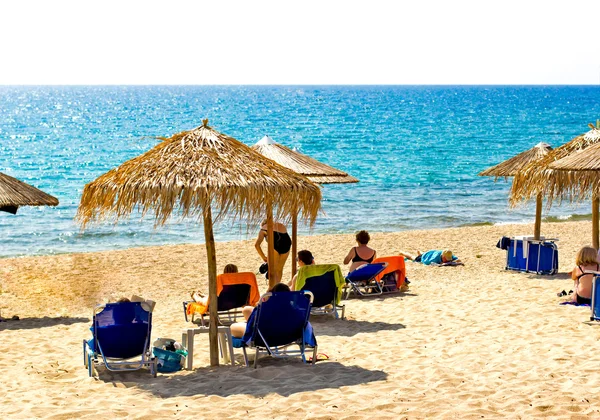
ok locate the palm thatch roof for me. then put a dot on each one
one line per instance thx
(15, 193)
(540, 178)
(311, 168)
(513, 165)
(194, 170)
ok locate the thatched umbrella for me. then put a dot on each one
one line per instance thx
(314, 170)
(194, 173)
(513, 165)
(15, 193)
(542, 178)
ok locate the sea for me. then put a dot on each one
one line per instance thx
(416, 150)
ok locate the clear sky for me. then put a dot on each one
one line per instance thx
(302, 42)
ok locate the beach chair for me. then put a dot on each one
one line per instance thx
(363, 280)
(595, 316)
(279, 322)
(121, 337)
(325, 282)
(234, 291)
(393, 277)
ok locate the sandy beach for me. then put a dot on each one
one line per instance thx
(464, 342)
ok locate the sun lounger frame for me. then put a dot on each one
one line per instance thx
(367, 288)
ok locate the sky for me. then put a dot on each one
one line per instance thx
(88, 42)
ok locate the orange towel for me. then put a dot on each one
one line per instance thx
(240, 278)
(395, 263)
(196, 308)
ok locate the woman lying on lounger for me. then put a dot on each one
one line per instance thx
(201, 298)
(434, 256)
(239, 328)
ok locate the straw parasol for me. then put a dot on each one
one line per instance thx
(542, 178)
(15, 193)
(513, 165)
(314, 170)
(195, 173)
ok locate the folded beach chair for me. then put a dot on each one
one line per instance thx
(234, 291)
(363, 280)
(326, 283)
(393, 276)
(121, 337)
(279, 322)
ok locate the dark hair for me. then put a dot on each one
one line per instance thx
(230, 268)
(305, 256)
(280, 287)
(363, 237)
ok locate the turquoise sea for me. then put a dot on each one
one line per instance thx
(416, 150)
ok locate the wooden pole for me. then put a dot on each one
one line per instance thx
(595, 206)
(294, 242)
(212, 287)
(270, 243)
(538, 217)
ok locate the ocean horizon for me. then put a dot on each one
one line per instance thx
(416, 150)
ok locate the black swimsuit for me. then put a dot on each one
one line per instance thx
(358, 258)
(581, 299)
(281, 242)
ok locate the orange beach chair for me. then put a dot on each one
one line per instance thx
(394, 264)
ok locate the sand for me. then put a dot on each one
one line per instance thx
(464, 342)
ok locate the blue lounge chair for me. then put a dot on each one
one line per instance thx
(326, 288)
(121, 337)
(279, 322)
(363, 280)
(596, 298)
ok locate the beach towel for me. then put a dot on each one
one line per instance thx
(395, 263)
(570, 302)
(197, 308)
(433, 256)
(318, 270)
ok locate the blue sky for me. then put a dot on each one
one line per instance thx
(307, 42)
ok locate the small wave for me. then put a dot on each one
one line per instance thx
(477, 224)
(568, 218)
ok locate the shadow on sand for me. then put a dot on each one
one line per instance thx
(272, 376)
(349, 327)
(32, 323)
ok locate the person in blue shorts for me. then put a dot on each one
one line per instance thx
(434, 256)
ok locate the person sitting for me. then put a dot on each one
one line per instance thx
(361, 254)
(585, 260)
(202, 299)
(305, 257)
(239, 328)
(434, 256)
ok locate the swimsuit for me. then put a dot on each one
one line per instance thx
(281, 242)
(358, 258)
(581, 299)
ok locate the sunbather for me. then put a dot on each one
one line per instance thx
(586, 260)
(305, 257)
(361, 254)
(434, 256)
(239, 328)
(201, 298)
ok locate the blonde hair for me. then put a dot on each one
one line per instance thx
(447, 254)
(586, 256)
(230, 268)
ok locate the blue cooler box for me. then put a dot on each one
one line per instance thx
(541, 258)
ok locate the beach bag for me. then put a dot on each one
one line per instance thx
(389, 281)
(168, 358)
(264, 269)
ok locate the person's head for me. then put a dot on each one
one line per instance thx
(586, 256)
(446, 255)
(230, 268)
(123, 300)
(280, 287)
(305, 257)
(363, 237)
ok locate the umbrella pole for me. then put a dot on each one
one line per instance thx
(212, 286)
(595, 206)
(270, 247)
(538, 217)
(294, 242)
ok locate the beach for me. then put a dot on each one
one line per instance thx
(464, 342)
